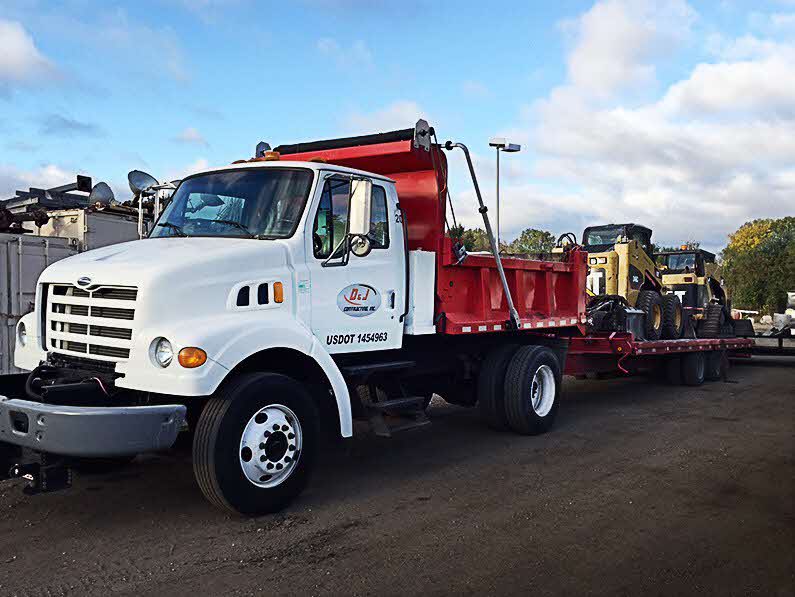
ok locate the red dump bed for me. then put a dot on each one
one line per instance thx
(469, 296)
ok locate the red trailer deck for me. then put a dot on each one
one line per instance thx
(619, 351)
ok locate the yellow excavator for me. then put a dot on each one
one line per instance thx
(622, 268)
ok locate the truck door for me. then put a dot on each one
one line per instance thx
(357, 301)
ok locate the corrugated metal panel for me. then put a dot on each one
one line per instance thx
(8, 326)
(22, 259)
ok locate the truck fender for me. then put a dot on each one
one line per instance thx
(294, 337)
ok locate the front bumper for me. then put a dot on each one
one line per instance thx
(82, 431)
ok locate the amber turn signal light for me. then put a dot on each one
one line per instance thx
(192, 357)
(278, 292)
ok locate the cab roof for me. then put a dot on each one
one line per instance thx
(314, 166)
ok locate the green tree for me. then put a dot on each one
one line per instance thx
(531, 241)
(759, 264)
(474, 239)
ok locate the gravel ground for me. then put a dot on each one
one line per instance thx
(640, 489)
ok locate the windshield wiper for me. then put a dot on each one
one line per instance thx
(237, 225)
(174, 227)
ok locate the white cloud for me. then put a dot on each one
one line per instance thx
(401, 114)
(43, 177)
(20, 59)
(615, 41)
(191, 136)
(357, 55)
(709, 152)
(761, 86)
(197, 165)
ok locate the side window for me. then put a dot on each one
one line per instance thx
(331, 219)
(379, 220)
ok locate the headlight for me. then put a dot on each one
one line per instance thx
(592, 261)
(22, 334)
(163, 353)
(603, 260)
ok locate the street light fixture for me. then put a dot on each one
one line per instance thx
(501, 144)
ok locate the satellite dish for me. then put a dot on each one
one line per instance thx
(140, 181)
(102, 194)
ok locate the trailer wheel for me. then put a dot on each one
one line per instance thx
(651, 303)
(532, 390)
(673, 318)
(255, 443)
(717, 364)
(673, 370)
(491, 386)
(693, 368)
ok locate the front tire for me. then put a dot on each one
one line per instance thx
(651, 303)
(255, 443)
(532, 390)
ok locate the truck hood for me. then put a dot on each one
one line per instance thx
(141, 262)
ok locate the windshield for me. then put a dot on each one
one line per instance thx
(250, 203)
(680, 262)
(607, 235)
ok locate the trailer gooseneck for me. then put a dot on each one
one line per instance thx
(290, 293)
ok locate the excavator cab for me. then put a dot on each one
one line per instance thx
(621, 264)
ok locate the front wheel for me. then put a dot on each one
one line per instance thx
(651, 303)
(255, 443)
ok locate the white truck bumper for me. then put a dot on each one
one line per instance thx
(82, 431)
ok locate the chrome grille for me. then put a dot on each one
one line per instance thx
(96, 322)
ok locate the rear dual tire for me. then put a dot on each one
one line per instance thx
(519, 389)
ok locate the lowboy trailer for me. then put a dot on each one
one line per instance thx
(293, 293)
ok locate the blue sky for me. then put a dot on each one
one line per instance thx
(672, 114)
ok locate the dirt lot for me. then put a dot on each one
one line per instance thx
(640, 489)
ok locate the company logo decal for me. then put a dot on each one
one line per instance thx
(84, 281)
(358, 300)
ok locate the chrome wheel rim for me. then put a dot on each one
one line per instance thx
(542, 390)
(270, 446)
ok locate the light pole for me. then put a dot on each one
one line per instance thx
(501, 144)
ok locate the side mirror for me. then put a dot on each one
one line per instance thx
(361, 207)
